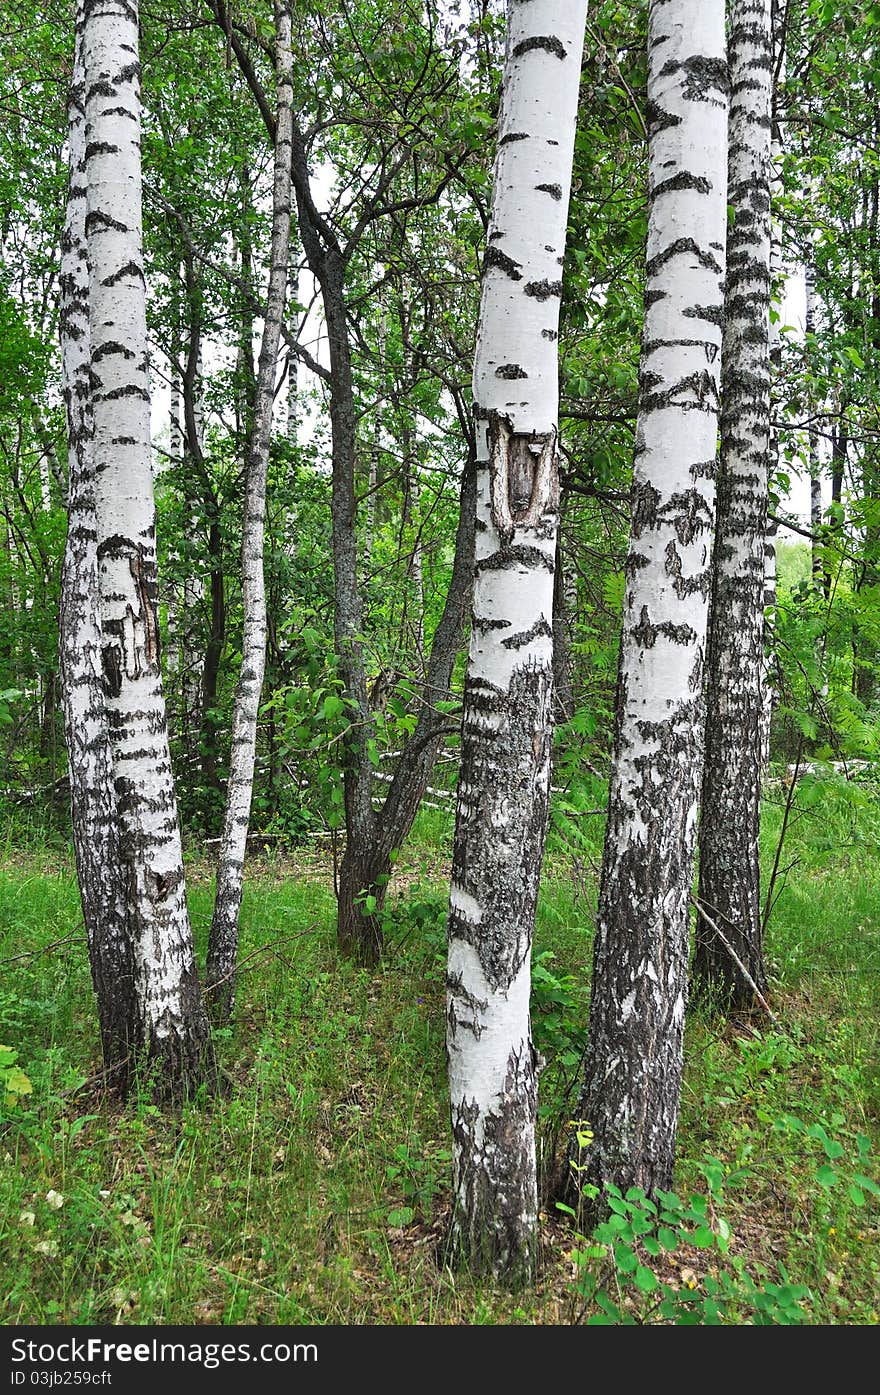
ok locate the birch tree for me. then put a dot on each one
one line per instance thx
(223, 945)
(730, 871)
(778, 22)
(504, 780)
(172, 1023)
(93, 797)
(631, 1087)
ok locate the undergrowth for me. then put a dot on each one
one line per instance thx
(315, 1189)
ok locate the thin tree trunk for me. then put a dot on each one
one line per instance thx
(200, 695)
(172, 1022)
(368, 837)
(376, 448)
(632, 1083)
(223, 943)
(504, 780)
(94, 815)
(563, 688)
(777, 278)
(818, 566)
(730, 868)
(246, 385)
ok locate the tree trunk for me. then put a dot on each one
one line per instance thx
(818, 564)
(504, 780)
(631, 1089)
(223, 943)
(563, 684)
(730, 868)
(172, 1022)
(93, 798)
(200, 695)
(777, 281)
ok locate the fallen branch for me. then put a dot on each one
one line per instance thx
(737, 961)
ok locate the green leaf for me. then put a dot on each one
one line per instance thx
(17, 1083)
(646, 1279)
(401, 1216)
(703, 1238)
(625, 1259)
(827, 1176)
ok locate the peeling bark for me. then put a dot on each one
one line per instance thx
(504, 779)
(632, 1081)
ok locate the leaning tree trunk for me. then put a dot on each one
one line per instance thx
(223, 942)
(631, 1089)
(730, 866)
(93, 797)
(504, 781)
(172, 1021)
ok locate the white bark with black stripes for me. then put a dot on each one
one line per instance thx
(223, 943)
(93, 799)
(630, 1095)
(504, 782)
(173, 1025)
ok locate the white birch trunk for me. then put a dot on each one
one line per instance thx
(504, 782)
(223, 945)
(191, 650)
(777, 273)
(93, 798)
(293, 399)
(730, 869)
(373, 468)
(630, 1097)
(175, 450)
(813, 437)
(173, 1024)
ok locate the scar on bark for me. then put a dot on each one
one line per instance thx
(146, 589)
(144, 576)
(525, 475)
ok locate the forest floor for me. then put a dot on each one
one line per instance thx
(315, 1189)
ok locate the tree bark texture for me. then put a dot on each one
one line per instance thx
(730, 869)
(223, 942)
(504, 780)
(93, 798)
(172, 1021)
(632, 1081)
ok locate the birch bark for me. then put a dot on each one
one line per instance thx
(632, 1082)
(223, 943)
(778, 20)
(93, 799)
(730, 870)
(172, 1023)
(504, 781)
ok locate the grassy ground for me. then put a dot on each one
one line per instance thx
(316, 1190)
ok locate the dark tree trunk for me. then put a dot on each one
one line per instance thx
(730, 869)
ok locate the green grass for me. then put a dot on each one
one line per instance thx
(315, 1189)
